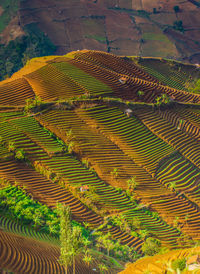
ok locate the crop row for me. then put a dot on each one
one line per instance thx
(9, 133)
(46, 191)
(182, 175)
(132, 85)
(110, 197)
(131, 136)
(9, 225)
(24, 255)
(70, 170)
(81, 176)
(50, 193)
(185, 119)
(171, 135)
(165, 72)
(103, 153)
(92, 85)
(15, 92)
(31, 128)
(127, 90)
(114, 63)
(51, 84)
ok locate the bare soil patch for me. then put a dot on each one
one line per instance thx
(12, 31)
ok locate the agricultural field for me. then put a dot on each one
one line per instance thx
(114, 140)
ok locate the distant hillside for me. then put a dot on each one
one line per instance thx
(169, 29)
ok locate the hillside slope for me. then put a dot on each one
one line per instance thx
(115, 139)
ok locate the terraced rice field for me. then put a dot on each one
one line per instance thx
(131, 136)
(83, 142)
(15, 92)
(94, 146)
(166, 72)
(188, 146)
(89, 73)
(172, 203)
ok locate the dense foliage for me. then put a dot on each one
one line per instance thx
(16, 204)
(15, 55)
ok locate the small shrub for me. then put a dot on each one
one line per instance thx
(70, 147)
(178, 25)
(114, 173)
(32, 104)
(132, 184)
(11, 146)
(140, 93)
(20, 155)
(179, 264)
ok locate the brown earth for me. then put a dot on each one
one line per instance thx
(12, 31)
(1, 10)
(115, 26)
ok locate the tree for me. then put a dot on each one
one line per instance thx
(66, 255)
(71, 146)
(70, 238)
(69, 135)
(176, 9)
(179, 264)
(151, 246)
(88, 259)
(32, 103)
(106, 242)
(140, 93)
(77, 244)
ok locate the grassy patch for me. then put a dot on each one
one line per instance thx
(96, 37)
(155, 37)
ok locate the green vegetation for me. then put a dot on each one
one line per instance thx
(151, 246)
(70, 238)
(193, 87)
(14, 55)
(33, 104)
(178, 25)
(15, 204)
(179, 264)
(176, 9)
(20, 155)
(100, 39)
(162, 100)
